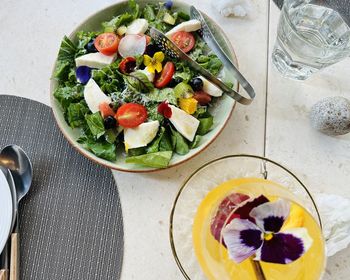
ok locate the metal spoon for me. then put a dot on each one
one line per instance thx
(4, 257)
(17, 161)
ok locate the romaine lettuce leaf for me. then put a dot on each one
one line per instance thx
(160, 95)
(62, 70)
(67, 50)
(109, 78)
(153, 147)
(179, 143)
(67, 95)
(111, 135)
(123, 19)
(156, 160)
(116, 22)
(183, 72)
(84, 37)
(95, 124)
(152, 112)
(149, 13)
(65, 60)
(195, 143)
(76, 114)
(100, 148)
(137, 151)
(205, 124)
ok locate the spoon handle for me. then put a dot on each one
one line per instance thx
(14, 261)
(3, 274)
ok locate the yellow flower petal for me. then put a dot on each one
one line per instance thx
(151, 68)
(158, 66)
(159, 56)
(147, 60)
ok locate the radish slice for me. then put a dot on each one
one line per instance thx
(132, 45)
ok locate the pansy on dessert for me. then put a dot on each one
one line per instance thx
(256, 229)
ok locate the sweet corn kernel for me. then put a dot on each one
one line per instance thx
(189, 105)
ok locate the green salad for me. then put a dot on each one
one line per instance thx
(122, 92)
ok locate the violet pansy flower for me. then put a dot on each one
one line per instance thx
(264, 238)
(83, 74)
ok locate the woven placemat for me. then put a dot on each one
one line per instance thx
(71, 222)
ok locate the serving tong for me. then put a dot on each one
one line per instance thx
(207, 33)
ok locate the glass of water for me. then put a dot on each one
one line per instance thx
(311, 36)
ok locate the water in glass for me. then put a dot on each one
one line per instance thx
(311, 36)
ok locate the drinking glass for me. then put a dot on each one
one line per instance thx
(312, 34)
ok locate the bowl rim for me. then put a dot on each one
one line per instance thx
(183, 186)
(112, 165)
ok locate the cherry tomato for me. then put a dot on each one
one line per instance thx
(130, 115)
(184, 40)
(106, 110)
(148, 40)
(127, 65)
(107, 43)
(202, 97)
(166, 75)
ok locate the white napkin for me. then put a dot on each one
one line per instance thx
(238, 8)
(335, 216)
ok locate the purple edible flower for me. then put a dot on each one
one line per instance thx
(83, 74)
(262, 238)
(168, 4)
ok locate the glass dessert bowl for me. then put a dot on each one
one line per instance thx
(246, 217)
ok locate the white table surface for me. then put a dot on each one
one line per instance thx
(31, 32)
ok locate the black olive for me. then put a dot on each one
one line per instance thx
(110, 122)
(196, 84)
(174, 82)
(151, 50)
(90, 47)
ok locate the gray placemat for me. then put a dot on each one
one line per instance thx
(71, 222)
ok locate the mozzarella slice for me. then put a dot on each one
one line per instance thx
(184, 123)
(188, 26)
(149, 75)
(141, 135)
(210, 88)
(138, 26)
(94, 96)
(95, 60)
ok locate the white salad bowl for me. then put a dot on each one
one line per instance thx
(221, 110)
